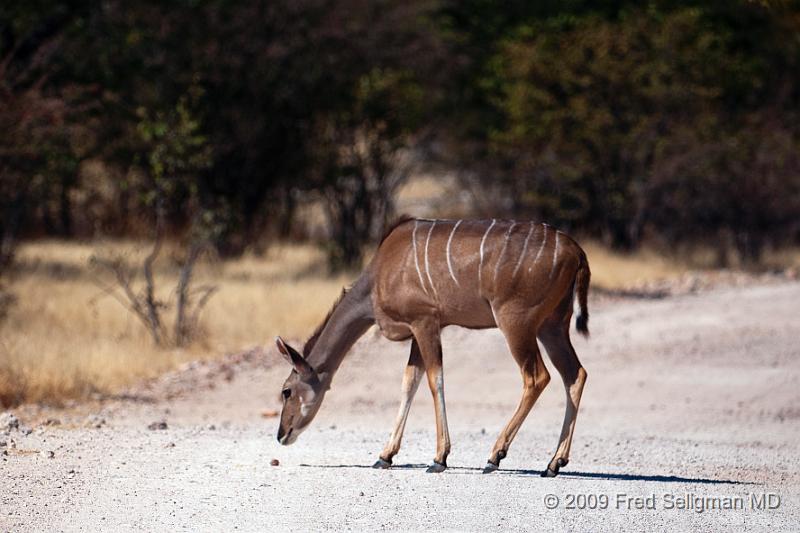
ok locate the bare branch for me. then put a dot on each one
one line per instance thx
(149, 291)
(137, 304)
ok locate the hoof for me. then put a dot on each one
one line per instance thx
(489, 468)
(552, 471)
(549, 472)
(436, 468)
(382, 464)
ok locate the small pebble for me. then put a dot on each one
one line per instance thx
(161, 424)
(8, 421)
(94, 421)
(275, 462)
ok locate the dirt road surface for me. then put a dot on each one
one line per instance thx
(691, 400)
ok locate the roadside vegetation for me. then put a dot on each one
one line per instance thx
(180, 179)
(66, 337)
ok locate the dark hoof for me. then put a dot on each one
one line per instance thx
(382, 464)
(552, 470)
(489, 468)
(436, 468)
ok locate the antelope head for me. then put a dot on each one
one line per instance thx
(302, 395)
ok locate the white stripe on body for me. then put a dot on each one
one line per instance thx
(541, 248)
(503, 251)
(524, 249)
(483, 241)
(449, 262)
(494, 316)
(555, 254)
(427, 265)
(416, 258)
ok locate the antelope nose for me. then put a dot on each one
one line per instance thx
(283, 438)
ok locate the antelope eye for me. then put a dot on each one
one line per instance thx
(286, 393)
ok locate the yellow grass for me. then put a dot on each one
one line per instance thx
(615, 270)
(782, 258)
(65, 337)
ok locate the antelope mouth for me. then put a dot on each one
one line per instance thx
(284, 439)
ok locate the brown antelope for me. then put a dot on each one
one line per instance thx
(520, 277)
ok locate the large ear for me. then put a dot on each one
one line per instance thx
(294, 358)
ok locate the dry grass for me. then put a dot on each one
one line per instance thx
(782, 258)
(66, 338)
(615, 270)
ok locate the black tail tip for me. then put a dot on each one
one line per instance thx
(582, 324)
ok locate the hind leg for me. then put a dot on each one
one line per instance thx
(555, 338)
(522, 342)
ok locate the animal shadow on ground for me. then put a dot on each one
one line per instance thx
(578, 475)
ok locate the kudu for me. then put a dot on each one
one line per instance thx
(520, 277)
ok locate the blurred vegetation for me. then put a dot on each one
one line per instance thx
(674, 121)
(677, 120)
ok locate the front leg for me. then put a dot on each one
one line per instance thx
(411, 378)
(430, 344)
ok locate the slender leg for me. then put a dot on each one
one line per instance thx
(535, 377)
(559, 348)
(430, 345)
(411, 378)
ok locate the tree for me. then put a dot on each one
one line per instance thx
(291, 90)
(38, 148)
(173, 151)
(365, 153)
(582, 104)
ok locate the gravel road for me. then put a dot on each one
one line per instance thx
(691, 400)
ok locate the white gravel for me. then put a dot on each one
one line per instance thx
(693, 398)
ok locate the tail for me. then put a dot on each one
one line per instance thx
(582, 289)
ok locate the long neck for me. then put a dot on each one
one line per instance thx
(351, 318)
